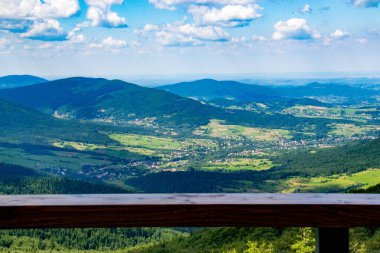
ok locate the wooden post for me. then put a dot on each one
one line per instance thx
(332, 240)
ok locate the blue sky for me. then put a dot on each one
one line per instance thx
(188, 37)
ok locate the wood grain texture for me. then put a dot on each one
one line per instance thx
(171, 210)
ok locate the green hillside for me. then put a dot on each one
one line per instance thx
(23, 124)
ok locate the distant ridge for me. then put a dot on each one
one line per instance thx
(14, 81)
(209, 89)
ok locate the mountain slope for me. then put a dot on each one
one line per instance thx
(120, 102)
(24, 124)
(13, 81)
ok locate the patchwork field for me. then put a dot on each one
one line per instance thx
(216, 128)
(349, 130)
(357, 114)
(152, 145)
(239, 164)
(336, 183)
(78, 145)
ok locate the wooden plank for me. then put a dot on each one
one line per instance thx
(168, 210)
(332, 240)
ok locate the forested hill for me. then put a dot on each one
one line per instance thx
(14, 81)
(23, 124)
(121, 102)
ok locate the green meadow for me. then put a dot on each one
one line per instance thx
(152, 145)
(350, 130)
(216, 128)
(335, 183)
(236, 164)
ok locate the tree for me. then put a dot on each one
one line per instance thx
(358, 248)
(256, 247)
(305, 241)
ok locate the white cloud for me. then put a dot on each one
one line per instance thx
(146, 29)
(362, 41)
(294, 29)
(179, 34)
(150, 27)
(171, 4)
(48, 30)
(366, 3)
(99, 12)
(306, 8)
(110, 43)
(37, 9)
(73, 35)
(340, 34)
(77, 38)
(45, 46)
(258, 38)
(229, 15)
(4, 42)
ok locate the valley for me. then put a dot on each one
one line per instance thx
(86, 135)
(118, 133)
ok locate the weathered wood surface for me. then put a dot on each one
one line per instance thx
(241, 210)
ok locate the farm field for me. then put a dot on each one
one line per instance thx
(350, 130)
(152, 145)
(216, 128)
(335, 183)
(356, 114)
(237, 164)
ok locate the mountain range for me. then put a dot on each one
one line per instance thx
(119, 102)
(209, 89)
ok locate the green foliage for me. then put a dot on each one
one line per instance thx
(84, 239)
(305, 241)
(256, 247)
(371, 189)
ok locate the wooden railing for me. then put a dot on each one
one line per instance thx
(331, 214)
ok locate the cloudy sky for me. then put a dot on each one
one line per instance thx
(182, 37)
